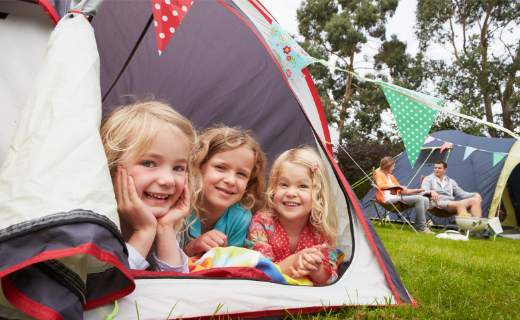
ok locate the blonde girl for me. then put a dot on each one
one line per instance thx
(298, 228)
(232, 167)
(149, 152)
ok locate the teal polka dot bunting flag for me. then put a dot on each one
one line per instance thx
(414, 121)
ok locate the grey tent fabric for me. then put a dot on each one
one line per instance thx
(475, 174)
(224, 83)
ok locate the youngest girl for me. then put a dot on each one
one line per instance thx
(148, 147)
(297, 231)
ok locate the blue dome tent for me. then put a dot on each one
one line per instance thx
(498, 185)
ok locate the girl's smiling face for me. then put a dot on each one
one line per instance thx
(293, 194)
(225, 176)
(159, 173)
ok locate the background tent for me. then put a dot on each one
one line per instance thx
(475, 174)
(219, 68)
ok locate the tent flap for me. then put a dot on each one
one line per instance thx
(59, 223)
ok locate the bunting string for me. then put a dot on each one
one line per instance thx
(474, 149)
(416, 97)
(497, 156)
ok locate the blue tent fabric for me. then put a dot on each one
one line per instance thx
(475, 174)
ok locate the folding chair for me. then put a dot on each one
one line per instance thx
(440, 213)
(384, 209)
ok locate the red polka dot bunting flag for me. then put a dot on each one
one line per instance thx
(167, 16)
(446, 145)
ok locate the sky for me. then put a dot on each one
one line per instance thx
(402, 24)
(284, 11)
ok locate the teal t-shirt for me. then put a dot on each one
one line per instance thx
(234, 223)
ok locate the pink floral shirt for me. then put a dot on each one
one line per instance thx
(267, 236)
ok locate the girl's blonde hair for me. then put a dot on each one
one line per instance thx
(128, 131)
(222, 139)
(323, 216)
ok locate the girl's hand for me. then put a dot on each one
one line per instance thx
(206, 242)
(129, 206)
(309, 262)
(134, 212)
(179, 210)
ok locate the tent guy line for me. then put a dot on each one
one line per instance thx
(375, 185)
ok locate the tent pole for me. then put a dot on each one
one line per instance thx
(420, 168)
(397, 211)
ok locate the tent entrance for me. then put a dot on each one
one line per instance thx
(430, 155)
(511, 200)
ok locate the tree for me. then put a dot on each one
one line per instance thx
(340, 28)
(484, 68)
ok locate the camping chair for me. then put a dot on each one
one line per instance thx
(440, 213)
(384, 209)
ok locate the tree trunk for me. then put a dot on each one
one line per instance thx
(484, 74)
(508, 91)
(343, 113)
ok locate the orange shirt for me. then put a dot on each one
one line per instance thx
(382, 183)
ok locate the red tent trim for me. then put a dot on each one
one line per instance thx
(27, 305)
(49, 10)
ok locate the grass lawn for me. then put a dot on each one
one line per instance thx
(477, 279)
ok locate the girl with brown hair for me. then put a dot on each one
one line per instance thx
(232, 167)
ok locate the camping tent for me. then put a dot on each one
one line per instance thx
(497, 184)
(219, 67)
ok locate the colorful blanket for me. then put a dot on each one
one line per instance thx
(241, 257)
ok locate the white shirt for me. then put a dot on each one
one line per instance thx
(389, 197)
(444, 183)
(138, 262)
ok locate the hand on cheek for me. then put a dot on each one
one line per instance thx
(206, 242)
(129, 206)
(179, 210)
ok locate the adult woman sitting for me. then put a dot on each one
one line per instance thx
(386, 193)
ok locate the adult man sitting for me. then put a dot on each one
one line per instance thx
(444, 190)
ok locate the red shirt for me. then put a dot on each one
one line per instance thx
(267, 236)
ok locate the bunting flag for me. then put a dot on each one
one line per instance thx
(167, 16)
(446, 145)
(497, 157)
(433, 103)
(468, 151)
(429, 139)
(291, 56)
(413, 120)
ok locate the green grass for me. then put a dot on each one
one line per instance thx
(477, 279)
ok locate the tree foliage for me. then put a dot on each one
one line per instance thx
(340, 29)
(483, 36)
(366, 155)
